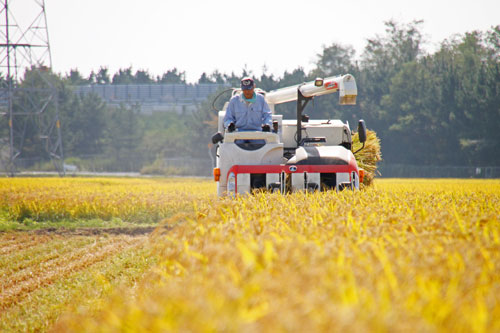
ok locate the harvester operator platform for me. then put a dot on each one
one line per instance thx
(248, 111)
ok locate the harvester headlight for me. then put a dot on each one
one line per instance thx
(231, 183)
(318, 82)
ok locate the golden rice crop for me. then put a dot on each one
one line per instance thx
(54, 199)
(402, 255)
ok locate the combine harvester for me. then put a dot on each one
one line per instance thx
(297, 155)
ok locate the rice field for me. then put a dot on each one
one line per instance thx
(400, 255)
(133, 200)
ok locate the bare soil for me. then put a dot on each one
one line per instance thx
(129, 231)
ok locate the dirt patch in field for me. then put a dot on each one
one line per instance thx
(130, 231)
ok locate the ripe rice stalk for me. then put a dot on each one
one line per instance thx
(369, 156)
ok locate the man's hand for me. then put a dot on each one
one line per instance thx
(231, 127)
(266, 128)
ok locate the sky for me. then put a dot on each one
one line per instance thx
(204, 36)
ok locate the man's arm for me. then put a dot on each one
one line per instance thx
(229, 117)
(267, 116)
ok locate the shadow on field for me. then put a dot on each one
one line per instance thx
(129, 231)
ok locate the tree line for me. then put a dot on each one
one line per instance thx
(439, 108)
(142, 76)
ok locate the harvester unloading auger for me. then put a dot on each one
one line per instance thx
(299, 154)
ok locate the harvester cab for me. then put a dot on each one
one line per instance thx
(300, 154)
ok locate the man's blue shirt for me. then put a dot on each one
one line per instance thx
(248, 116)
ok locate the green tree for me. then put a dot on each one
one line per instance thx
(142, 77)
(35, 105)
(165, 136)
(74, 78)
(267, 82)
(414, 131)
(217, 77)
(297, 76)
(124, 134)
(445, 106)
(102, 76)
(335, 60)
(124, 76)
(172, 76)
(383, 57)
(204, 78)
(83, 125)
(477, 64)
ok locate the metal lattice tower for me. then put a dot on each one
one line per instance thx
(28, 98)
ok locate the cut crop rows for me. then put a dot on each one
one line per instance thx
(55, 259)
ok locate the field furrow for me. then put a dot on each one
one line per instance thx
(75, 292)
(40, 253)
(17, 288)
(38, 269)
(21, 243)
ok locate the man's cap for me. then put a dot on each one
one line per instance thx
(247, 83)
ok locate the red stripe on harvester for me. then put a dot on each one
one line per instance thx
(237, 169)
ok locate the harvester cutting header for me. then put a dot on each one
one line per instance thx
(259, 150)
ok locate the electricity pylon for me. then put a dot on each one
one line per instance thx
(29, 106)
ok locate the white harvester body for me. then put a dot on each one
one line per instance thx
(316, 157)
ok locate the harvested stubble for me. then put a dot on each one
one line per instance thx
(398, 256)
(63, 273)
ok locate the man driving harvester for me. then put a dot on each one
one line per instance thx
(248, 111)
